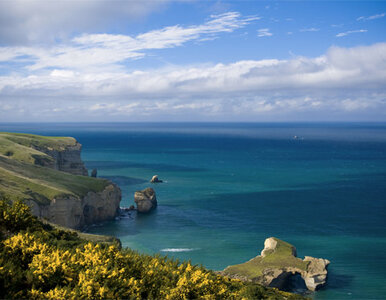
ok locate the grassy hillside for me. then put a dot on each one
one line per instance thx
(21, 146)
(22, 178)
(38, 261)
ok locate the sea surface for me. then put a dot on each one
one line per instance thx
(227, 187)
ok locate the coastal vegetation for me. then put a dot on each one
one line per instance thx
(39, 261)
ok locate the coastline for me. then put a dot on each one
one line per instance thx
(218, 215)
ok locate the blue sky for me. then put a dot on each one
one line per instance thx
(192, 60)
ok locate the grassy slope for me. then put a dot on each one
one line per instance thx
(21, 178)
(280, 258)
(94, 238)
(20, 146)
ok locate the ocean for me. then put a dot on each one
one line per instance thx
(229, 186)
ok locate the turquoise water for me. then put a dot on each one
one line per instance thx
(229, 186)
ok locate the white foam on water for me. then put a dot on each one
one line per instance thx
(178, 249)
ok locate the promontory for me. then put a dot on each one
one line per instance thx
(277, 264)
(47, 173)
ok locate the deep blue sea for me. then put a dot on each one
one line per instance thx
(227, 187)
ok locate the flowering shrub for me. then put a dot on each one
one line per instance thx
(34, 265)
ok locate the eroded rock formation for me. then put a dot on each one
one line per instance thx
(94, 173)
(155, 179)
(316, 274)
(277, 263)
(146, 200)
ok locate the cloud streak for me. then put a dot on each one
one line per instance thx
(373, 17)
(341, 34)
(95, 51)
(312, 29)
(264, 32)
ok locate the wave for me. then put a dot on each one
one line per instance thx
(178, 249)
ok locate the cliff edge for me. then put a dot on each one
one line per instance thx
(49, 175)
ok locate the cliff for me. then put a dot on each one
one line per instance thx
(59, 153)
(75, 212)
(47, 173)
(66, 159)
(277, 264)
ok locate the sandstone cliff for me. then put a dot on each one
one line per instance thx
(75, 212)
(65, 158)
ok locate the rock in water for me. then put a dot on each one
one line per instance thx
(277, 264)
(94, 173)
(316, 272)
(145, 200)
(155, 179)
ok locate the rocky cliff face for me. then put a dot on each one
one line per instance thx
(75, 212)
(66, 159)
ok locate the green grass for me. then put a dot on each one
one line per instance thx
(280, 258)
(23, 147)
(22, 178)
(29, 140)
(27, 181)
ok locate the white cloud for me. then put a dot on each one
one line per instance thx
(342, 80)
(337, 25)
(312, 29)
(62, 73)
(96, 51)
(356, 104)
(341, 34)
(24, 21)
(373, 17)
(263, 32)
(338, 68)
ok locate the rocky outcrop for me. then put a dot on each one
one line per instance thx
(103, 206)
(277, 264)
(94, 173)
(316, 274)
(155, 179)
(75, 212)
(146, 200)
(66, 159)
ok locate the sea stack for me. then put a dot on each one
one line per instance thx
(146, 200)
(94, 173)
(155, 179)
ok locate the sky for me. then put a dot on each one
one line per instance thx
(211, 61)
